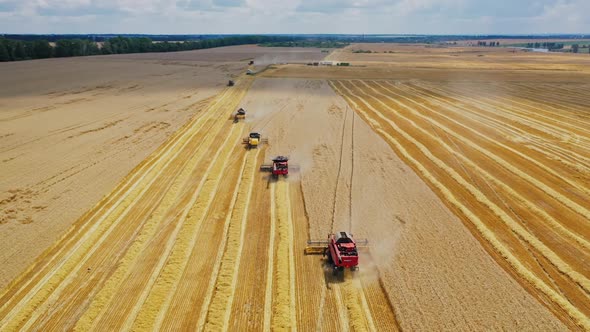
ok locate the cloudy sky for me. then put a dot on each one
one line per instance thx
(295, 16)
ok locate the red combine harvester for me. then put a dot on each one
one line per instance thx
(279, 166)
(341, 249)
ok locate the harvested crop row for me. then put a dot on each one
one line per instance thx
(198, 205)
(541, 143)
(179, 196)
(566, 200)
(513, 225)
(52, 282)
(139, 201)
(564, 134)
(283, 315)
(250, 300)
(359, 316)
(483, 230)
(219, 308)
(316, 304)
(160, 295)
(572, 235)
(92, 316)
(129, 187)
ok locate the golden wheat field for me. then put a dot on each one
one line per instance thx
(470, 182)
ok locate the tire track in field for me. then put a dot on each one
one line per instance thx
(579, 318)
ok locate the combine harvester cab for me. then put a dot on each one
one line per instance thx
(254, 140)
(340, 248)
(240, 115)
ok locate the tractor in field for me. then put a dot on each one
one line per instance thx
(340, 248)
(254, 140)
(279, 166)
(240, 115)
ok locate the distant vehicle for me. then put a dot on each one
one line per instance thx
(240, 115)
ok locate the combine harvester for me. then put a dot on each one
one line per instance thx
(279, 166)
(341, 249)
(240, 115)
(254, 140)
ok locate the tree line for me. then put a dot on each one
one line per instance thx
(492, 43)
(16, 50)
(547, 45)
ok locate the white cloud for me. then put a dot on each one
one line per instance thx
(297, 16)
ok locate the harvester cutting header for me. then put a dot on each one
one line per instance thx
(340, 248)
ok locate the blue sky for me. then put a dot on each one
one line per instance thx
(297, 16)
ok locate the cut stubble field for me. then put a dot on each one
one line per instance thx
(472, 193)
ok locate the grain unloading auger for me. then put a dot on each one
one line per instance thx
(340, 248)
(279, 166)
(254, 140)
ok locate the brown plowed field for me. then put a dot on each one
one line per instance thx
(472, 193)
